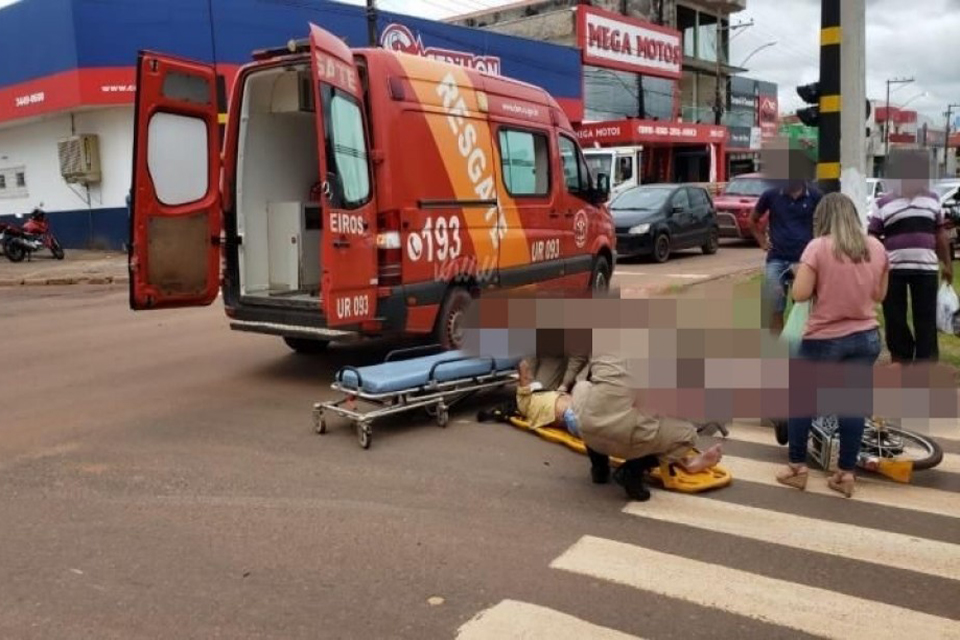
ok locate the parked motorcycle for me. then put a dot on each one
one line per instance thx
(3, 233)
(20, 243)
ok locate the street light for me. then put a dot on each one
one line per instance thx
(923, 94)
(886, 124)
(756, 51)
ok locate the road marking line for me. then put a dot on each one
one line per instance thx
(688, 276)
(513, 619)
(911, 553)
(787, 604)
(764, 435)
(868, 490)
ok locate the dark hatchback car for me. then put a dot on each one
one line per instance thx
(657, 219)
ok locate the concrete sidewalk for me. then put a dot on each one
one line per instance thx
(78, 267)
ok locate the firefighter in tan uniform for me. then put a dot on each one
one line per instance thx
(611, 422)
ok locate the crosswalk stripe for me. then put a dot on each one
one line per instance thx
(764, 435)
(786, 604)
(869, 490)
(846, 541)
(520, 620)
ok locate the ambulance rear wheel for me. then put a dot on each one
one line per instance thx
(449, 331)
(600, 278)
(307, 346)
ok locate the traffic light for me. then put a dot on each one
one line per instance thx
(810, 93)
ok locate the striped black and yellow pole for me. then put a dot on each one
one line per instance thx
(828, 162)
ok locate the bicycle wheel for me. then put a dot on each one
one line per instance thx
(891, 442)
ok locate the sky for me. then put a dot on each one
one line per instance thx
(903, 41)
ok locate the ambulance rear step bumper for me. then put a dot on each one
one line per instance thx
(287, 330)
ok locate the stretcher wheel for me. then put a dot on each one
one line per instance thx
(443, 417)
(319, 422)
(364, 435)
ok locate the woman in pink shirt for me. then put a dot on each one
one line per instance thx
(843, 273)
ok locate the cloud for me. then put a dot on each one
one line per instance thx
(904, 39)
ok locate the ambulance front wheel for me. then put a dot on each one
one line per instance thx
(600, 278)
(449, 331)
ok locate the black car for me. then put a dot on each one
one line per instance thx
(656, 219)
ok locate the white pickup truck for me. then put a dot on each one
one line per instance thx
(622, 164)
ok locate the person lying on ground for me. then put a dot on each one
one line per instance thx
(542, 407)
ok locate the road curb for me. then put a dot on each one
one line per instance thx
(62, 281)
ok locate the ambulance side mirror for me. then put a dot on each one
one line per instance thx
(602, 192)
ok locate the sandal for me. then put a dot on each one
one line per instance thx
(794, 476)
(842, 482)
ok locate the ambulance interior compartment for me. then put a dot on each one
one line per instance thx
(277, 165)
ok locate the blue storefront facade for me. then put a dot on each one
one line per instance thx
(74, 59)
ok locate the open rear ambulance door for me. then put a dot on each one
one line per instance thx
(175, 207)
(349, 230)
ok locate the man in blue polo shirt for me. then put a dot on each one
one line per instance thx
(789, 229)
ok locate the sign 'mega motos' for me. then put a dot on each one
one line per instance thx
(615, 41)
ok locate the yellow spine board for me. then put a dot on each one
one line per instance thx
(672, 477)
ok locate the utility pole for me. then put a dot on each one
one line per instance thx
(641, 105)
(717, 103)
(372, 22)
(946, 139)
(829, 130)
(886, 122)
(853, 116)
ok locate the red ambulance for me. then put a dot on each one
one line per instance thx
(359, 191)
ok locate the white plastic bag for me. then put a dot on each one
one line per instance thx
(948, 304)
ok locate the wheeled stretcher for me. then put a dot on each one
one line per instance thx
(432, 382)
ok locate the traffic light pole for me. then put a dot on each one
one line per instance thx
(828, 137)
(853, 116)
(946, 140)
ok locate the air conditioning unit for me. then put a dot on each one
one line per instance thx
(80, 159)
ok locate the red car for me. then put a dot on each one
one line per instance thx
(736, 203)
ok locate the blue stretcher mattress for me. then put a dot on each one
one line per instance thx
(392, 377)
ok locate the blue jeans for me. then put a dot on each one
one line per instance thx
(774, 296)
(862, 348)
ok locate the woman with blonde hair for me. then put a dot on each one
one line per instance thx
(843, 273)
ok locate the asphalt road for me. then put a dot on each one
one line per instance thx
(160, 479)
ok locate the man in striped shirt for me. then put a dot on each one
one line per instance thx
(910, 222)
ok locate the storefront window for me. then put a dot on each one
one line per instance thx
(699, 31)
(707, 38)
(613, 95)
(687, 25)
(658, 95)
